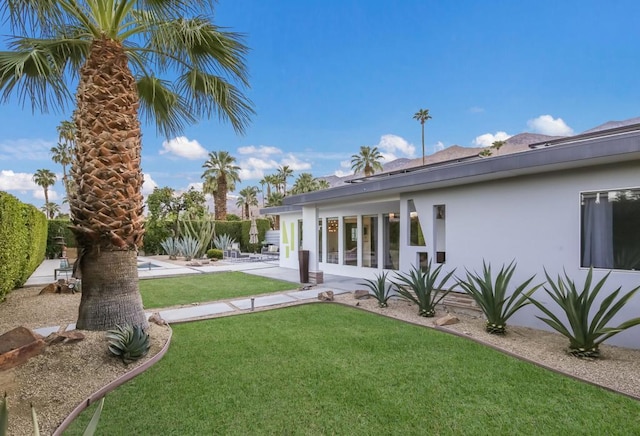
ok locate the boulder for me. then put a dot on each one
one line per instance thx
(157, 319)
(51, 288)
(448, 319)
(17, 346)
(361, 294)
(325, 296)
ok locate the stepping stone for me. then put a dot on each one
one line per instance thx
(184, 313)
(268, 300)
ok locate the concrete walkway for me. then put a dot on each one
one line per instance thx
(152, 268)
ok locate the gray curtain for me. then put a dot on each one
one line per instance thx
(597, 232)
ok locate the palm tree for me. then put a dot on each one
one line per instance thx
(65, 150)
(262, 183)
(45, 178)
(497, 145)
(284, 172)
(323, 184)
(51, 209)
(422, 115)
(275, 199)
(247, 197)
(115, 49)
(367, 161)
(305, 183)
(221, 175)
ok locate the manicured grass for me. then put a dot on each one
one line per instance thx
(328, 369)
(197, 288)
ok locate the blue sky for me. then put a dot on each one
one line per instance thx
(330, 76)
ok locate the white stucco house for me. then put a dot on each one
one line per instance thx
(563, 205)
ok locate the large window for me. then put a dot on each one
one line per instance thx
(416, 238)
(320, 240)
(610, 236)
(332, 240)
(350, 240)
(370, 241)
(391, 240)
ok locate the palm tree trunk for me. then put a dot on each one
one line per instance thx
(109, 295)
(221, 199)
(423, 143)
(107, 208)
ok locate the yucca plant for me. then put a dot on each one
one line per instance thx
(223, 242)
(584, 336)
(492, 296)
(129, 343)
(420, 287)
(381, 291)
(171, 246)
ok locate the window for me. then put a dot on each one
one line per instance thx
(391, 240)
(439, 230)
(370, 241)
(332, 240)
(300, 235)
(320, 240)
(610, 236)
(350, 240)
(416, 238)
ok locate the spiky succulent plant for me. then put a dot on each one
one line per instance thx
(129, 343)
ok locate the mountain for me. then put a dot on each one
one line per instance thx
(613, 125)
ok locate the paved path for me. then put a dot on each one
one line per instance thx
(156, 268)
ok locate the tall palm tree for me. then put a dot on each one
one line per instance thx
(51, 209)
(45, 178)
(262, 183)
(65, 150)
(247, 198)
(220, 167)
(497, 145)
(304, 183)
(275, 199)
(367, 161)
(422, 115)
(284, 172)
(113, 51)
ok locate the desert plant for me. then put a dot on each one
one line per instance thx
(379, 287)
(584, 336)
(214, 253)
(202, 231)
(492, 296)
(223, 242)
(189, 247)
(419, 286)
(130, 343)
(171, 246)
(4, 418)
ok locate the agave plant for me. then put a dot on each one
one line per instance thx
(130, 343)
(584, 336)
(171, 246)
(379, 287)
(189, 247)
(492, 296)
(420, 288)
(223, 242)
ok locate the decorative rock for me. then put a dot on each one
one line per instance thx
(325, 296)
(448, 319)
(17, 346)
(64, 337)
(51, 288)
(361, 294)
(157, 319)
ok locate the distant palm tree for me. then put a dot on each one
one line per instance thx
(284, 172)
(275, 199)
(323, 184)
(112, 50)
(497, 145)
(45, 178)
(247, 197)
(422, 115)
(51, 209)
(367, 161)
(64, 152)
(304, 183)
(221, 176)
(262, 183)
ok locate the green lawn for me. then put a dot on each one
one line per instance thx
(198, 288)
(328, 369)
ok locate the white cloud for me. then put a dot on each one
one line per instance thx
(183, 147)
(39, 194)
(392, 145)
(341, 173)
(148, 185)
(260, 150)
(10, 181)
(547, 125)
(196, 186)
(489, 138)
(438, 147)
(294, 163)
(26, 149)
(345, 164)
(476, 110)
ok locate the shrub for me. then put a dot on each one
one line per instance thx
(214, 253)
(189, 247)
(379, 287)
(171, 246)
(420, 288)
(584, 336)
(223, 241)
(491, 297)
(129, 343)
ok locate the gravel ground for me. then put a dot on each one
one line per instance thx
(64, 375)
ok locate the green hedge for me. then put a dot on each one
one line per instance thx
(23, 236)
